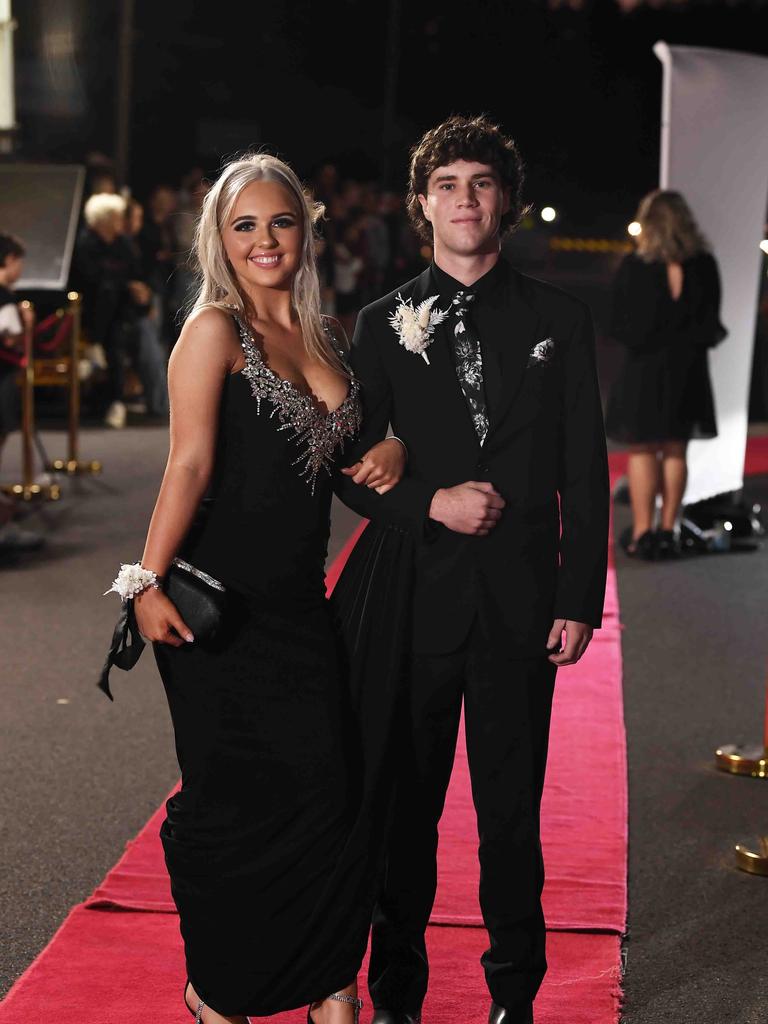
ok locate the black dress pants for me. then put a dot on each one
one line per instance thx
(507, 705)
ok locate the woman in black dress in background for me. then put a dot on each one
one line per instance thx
(666, 312)
(269, 867)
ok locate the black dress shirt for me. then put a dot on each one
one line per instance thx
(486, 313)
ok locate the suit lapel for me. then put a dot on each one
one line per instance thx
(441, 370)
(513, 344)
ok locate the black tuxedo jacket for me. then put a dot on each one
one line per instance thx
(544, 452)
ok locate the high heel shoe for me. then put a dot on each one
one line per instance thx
(199, 1015)
(667, 545)
(644, 546)
(340, 998)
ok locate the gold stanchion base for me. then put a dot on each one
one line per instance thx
(30, 492)
(740, 760)
(753, 861)
(73, 467)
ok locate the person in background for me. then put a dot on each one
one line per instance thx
(160, 248)
(107, 270)
(150, 354)
(666, 313)
(14, 320)
(403, 245)
(376, 235)
(348, 269)
(184, 282)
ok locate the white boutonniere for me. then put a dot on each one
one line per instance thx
(416, 326)
(541, 352)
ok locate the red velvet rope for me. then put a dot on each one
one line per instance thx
(59, 336)
(41, 348)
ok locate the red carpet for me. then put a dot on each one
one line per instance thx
(110, 968)
(104, 967)
(584, 811)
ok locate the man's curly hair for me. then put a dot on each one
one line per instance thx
(466, 138)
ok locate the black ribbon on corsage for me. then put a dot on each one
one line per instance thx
(122, 652)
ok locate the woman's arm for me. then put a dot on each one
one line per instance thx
(381, 467)
(202, 357)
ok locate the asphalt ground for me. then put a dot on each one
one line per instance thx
(81, 775)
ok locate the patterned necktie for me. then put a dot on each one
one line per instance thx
(469, 362)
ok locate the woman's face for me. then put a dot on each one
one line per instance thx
(263, 237)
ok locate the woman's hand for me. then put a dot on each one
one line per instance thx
(159, 620)
(381, 467)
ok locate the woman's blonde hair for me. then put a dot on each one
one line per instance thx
(218, 283)
(669, 231)
(102, 207)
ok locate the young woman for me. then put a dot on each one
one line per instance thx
(666, 312)
(268, 869)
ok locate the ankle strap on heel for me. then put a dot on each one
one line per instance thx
(341, 998)
(199, 1014)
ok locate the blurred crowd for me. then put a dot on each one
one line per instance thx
(133, 269)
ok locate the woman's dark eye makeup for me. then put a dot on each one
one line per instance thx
(278, 222)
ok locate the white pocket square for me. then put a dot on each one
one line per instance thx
(541, 352)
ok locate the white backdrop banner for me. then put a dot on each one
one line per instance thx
(714, 150)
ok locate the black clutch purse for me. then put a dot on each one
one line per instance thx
(201, 601)
(200, 598)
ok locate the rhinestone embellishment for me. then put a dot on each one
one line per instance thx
(318, 435)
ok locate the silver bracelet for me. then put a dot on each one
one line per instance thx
(132, 579)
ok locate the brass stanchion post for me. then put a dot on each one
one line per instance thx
(72, 463)
(755, 862)
(749, 760)
(28, 488)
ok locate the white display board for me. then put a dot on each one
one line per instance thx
(40, 203)
(714, 150)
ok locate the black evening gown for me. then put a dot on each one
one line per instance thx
(663, 391)
(271, 842)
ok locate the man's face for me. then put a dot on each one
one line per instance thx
(465, 202)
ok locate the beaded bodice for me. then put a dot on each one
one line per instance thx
(266, 527)
(317, 435)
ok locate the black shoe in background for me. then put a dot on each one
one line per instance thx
(667, 545)
(645, 546)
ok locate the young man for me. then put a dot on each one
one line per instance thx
(489, 379)
(13, 321)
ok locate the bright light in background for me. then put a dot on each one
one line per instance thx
(764, 246)
(634, 228)
(548, 214)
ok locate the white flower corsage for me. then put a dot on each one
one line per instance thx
(415, 326)
(131, 580)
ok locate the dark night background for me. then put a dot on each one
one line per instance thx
(580, 90)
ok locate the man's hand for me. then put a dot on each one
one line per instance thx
(577, 637)
(474, 507)
(381, 467)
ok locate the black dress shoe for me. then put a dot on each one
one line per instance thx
(500, 1015)
(390, 1017)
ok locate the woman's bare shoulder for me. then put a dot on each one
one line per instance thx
(208, 334)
